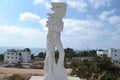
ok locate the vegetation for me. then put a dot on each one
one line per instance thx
(70, 53)
(100, 68)
(91, 53)
(1, 56)
(18, 65)
(41, 55)
(27, 49)
(32, 56)
(96, 68)
(16, 77)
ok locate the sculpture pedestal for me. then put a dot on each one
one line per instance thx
(42, 77)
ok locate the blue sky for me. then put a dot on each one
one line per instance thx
(93, 23)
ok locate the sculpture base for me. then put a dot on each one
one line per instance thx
(42, 77)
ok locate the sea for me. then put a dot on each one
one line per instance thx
(34, 51)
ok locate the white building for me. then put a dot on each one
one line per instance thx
(114, 54)
(102, 52)
(15, 56)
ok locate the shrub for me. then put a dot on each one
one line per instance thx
(100, 68)
(16, 77)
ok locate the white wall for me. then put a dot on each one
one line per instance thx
(13, 57)
(114, 54)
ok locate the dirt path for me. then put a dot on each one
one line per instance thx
(4, 70)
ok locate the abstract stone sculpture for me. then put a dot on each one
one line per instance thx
(53, 70)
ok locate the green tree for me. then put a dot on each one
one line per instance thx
(100, 68)
(1, 56)
(82, 69)
(27, 49)
(32, 56)
(69, 53)
(91, 53)
(56, 56)
(41, 55)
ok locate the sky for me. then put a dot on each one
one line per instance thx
(88, 23)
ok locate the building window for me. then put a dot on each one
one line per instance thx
(12, 57)
(115, 50)
(8, 57)
(8, 53)
(16, 57)
(12, 53)
(115, 55)
(111, 50)
(19, 54)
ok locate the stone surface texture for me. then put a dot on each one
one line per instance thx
(42, 77)
(55, 70)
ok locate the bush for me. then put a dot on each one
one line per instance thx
(1, 56)
(18, 65)
(100, 68)
(16, 77)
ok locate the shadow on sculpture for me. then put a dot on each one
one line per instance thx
(53, 70)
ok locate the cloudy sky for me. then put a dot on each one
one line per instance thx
(93, 23)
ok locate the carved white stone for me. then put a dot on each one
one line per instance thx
(53, 70)
(42, 77)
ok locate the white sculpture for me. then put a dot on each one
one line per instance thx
(53, 70)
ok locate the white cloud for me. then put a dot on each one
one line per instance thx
(80, 28)
(98, 3)
(47, 4)
(84, 4)
(88, 29)
(106, 14)
(80, 5)
(114, 20)
(110, 17)
(37, 1)
(55, 0)
(43, 23)
(28, 16)
(93, 32)
(21, 37)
